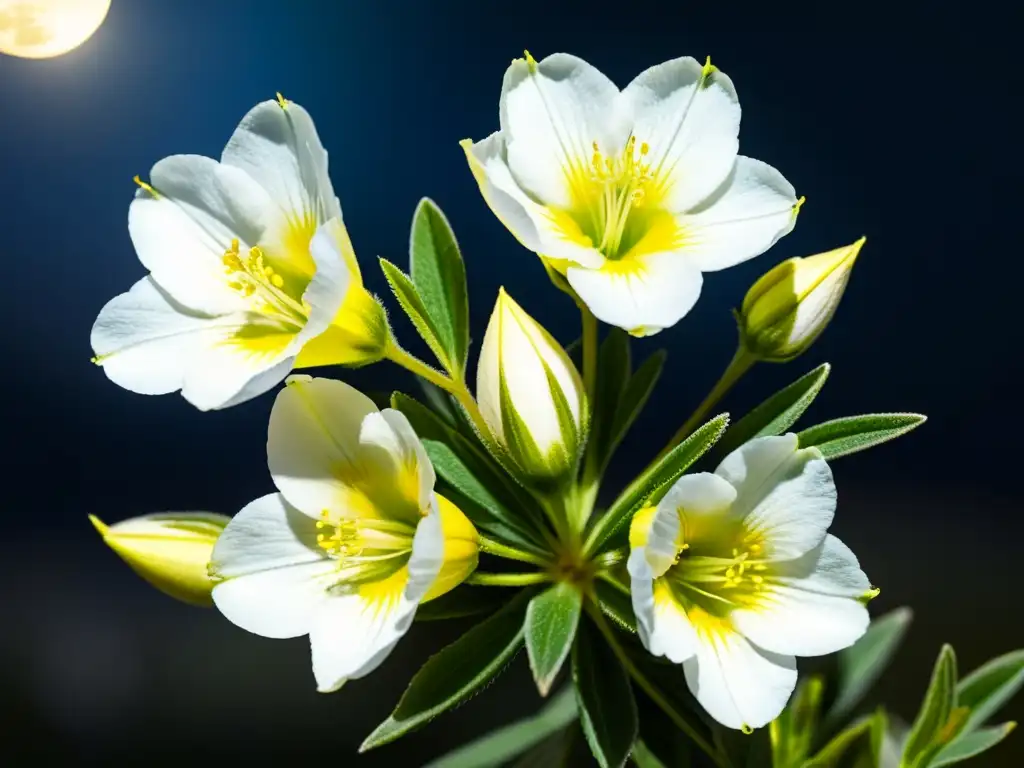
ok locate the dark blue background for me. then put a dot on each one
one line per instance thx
(895, 120)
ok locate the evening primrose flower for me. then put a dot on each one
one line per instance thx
(170, 550)
(530, 394)
(733, 575)
(630, 195)
(252, 272)
(354, 541)
(788, 307)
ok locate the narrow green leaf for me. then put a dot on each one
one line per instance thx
(613, 371)
(639, 388)
(938, 704)
(439, 275)
(654, 483)
(456, 673)
(464, 600)
(551, 621)
(861, 664)
(776, 414)
(615, 604)
(644, 758)
(439, 402)
(605, 698)
(831, 753)
(857, 433)
(990, 686)
(412, 304)
(512, 740)
(793, 731)
(971, 744)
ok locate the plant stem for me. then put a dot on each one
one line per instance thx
(492, 547)
(740, 364)
(589, 353)
(645, 685)
(455, 387)
(508, 579)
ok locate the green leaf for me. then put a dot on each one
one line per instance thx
(971, 744)
(605, 698)
(857, 433)
(634, 398)
(512, 740)
(990, 686)
(551, 621)
(439, 275)
(464, 600)
(456, 673)
(861, 664)
(793, 731)
(776, 414)
(613, 371)
(938, 704)
(615, 604)
(644, 758)
(412, 304)
(654, 483)
(830, 754)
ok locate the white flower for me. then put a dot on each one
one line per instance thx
(530, 393)
(353, 543)
(170, 550)
(733, 575)
(633, 194)
(790, 305)
(252, 272)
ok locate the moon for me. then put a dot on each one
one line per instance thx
(41, 29)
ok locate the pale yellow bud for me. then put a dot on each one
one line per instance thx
(788, 308)
(170, 550)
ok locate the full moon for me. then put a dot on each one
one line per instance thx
(40, 29)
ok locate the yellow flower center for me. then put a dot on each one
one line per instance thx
(717, 577)
(251, 275)
(365, 549)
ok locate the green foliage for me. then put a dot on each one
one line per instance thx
(990, 686)
(972, 744)
(841, 437)
(456, 673)
(776, 414)
(794, 730)
(512, 740)
(616, 604)
(551, 620)
(932, 727)
(464, 600)
(650, 486)
(605, 698)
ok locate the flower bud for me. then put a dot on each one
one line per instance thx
(170, 550)
(530, 394)
(785, 311)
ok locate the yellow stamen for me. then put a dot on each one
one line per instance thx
(282, 101)
(146, 186)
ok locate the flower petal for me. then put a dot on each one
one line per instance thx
(551, 114)
(461, 549)
(389, 442)
(746, 216)
(274, 582)
(661, 622)
(277, 144)
(689, 116)
(332, 278)
(813, 604)
(787, 494)
(643, 295)
(314, 430)
(184, 222)
(740, 685)
(533, 225)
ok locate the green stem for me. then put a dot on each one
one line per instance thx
(589, 353)
(739, 365)
(508, 579)
(456, 388)
(647, 687)
(492, 547)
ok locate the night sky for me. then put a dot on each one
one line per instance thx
(895, 120)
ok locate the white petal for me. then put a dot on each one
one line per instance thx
(551, 114)
(331, 280)
(529, 222)
(661, 622)
(278, 146)
(701, 493)
(815, 608)
(182, 232)
(745, 217)
(691, 124)
(352, 634)
(267, 533)
(402, 450)
(655, 295)
(314, 426)
(738, 684)
(788, 495)
(427, 553)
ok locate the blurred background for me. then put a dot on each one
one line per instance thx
(894, 121)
